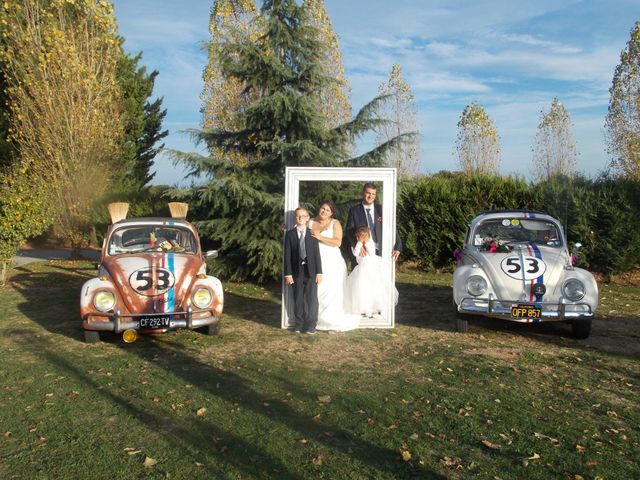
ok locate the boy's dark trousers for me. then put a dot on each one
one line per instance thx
(305, 300)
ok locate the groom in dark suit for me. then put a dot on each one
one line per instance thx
(303, 271)
(369, 214)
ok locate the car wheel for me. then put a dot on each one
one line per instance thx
(462, 323)
(581, 328)
(91, 336)
(462, 320)
(213, 329)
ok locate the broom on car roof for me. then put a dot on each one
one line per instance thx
(178, 209)
(118, 211)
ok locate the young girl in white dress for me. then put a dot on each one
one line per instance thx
(367, 287)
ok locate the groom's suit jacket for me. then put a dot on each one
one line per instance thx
(358, 218)
(292, 261)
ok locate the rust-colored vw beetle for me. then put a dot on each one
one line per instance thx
(151, 279)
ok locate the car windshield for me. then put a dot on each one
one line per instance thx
(150, 238)
(507, 230)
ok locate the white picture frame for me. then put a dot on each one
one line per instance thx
(388, 178)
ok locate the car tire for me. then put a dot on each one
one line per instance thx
(581, 328)
(462, 323)
(462, 320)
(91, 336)
(213, 329)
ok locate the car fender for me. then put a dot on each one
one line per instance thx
(460, 276)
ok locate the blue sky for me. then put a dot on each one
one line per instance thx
(512, 57)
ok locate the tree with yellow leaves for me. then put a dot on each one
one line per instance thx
(222, 97)
(335, 97)
(554, 151)
(477, 143)
(402, 115)
(623, 119)
(60, 61)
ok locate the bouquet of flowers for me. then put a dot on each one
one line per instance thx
(493, 245)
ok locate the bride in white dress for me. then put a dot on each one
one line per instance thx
(331, 312)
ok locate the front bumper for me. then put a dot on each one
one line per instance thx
(551, 311)
(119, 322)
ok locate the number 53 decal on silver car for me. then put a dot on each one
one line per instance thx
(533, 267)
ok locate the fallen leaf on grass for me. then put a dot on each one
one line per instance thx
(370, 421)
(317, 418)
(201, 411)
(406, 455)
(578, 477)
(492, 446)
(198, 464)
(7, 434)
(156, 399)
(414, 436)
(324, 398)
(545, 437)
(580, 448)
(149, 462)
(535, 456)
(317, 461)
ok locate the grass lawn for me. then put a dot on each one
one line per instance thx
(504, 401)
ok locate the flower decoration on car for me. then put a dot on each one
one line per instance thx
(493, 245)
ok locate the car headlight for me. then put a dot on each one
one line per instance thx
(573, 289)
(202, 297)
(104, 300)
(476, 285)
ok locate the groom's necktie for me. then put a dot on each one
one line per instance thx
(303, 248)
(372, 227)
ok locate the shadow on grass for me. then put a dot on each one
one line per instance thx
(51, 298)
(193, 435)
(432, 307)
(190, 436)
(265, 312)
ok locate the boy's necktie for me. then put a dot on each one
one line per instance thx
(303, 248)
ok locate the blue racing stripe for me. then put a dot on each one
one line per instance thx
(540, 279)
(171, 292)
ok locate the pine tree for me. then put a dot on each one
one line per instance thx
(282, 126)
(623, 118)
(477, 143)
(142, 122)
(554, 151)
(401, 111)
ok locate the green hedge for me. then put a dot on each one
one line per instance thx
(602, 214)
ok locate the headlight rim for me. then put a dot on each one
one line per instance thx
(482, 290)
(113, 300)
(579, 297)
(199, 289)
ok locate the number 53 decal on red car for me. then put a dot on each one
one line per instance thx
(151, 281)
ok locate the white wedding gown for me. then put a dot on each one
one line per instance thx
(367, 285)
(331, 313)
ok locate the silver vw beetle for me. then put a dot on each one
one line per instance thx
(516, 265)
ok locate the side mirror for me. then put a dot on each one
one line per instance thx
(211, 254)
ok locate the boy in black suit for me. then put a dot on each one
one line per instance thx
(303, 270)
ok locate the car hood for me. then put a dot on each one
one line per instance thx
(513, 274)
(154, 282)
